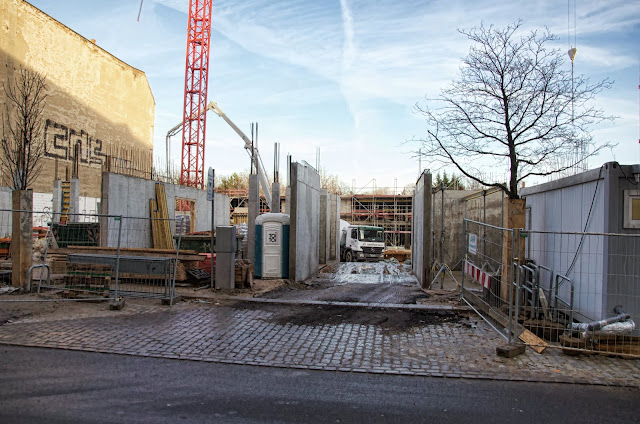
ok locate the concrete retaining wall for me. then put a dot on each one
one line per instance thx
(421, 244)
(304, 251)
(456, 208)
(128, 196)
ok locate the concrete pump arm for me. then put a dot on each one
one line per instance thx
(262, 176)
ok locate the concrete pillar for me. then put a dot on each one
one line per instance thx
(254, 211)
(324, 226)
(287, 200)
(334, 227)
(21, 236)
(74, 207)
(514, 217)
(275, 198)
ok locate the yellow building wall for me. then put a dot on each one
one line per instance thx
(94, 98)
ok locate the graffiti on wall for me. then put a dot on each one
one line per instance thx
(61, 142)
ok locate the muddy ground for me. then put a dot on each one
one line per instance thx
(380, 283)
(391, 320)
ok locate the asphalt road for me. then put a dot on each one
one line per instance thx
(59, 386)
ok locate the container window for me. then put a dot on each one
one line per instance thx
(632, 209)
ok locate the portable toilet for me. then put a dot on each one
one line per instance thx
(272, 246)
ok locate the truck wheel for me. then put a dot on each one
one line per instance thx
(348, 257)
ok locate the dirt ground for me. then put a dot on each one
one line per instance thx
(51, 306)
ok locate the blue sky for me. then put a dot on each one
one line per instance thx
(345, 75)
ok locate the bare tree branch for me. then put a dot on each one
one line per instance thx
(22, 143)
(512, 106)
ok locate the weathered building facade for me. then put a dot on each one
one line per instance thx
(99, 111)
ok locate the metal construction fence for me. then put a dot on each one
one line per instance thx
(99, 255)
(576, 291)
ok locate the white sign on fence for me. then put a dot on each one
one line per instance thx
(473, 244)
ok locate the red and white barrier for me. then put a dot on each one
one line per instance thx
(477, 274)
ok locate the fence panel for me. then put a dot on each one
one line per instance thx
(485, 279)
(108, 256)
(581, 291)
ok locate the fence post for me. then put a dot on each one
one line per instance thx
(464, 254)
(119, 219)
(175, 268)
(509, 284)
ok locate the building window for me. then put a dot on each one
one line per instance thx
(632, 209)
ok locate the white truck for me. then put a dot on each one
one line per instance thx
(361, 242)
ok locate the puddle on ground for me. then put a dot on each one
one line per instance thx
(373, 273)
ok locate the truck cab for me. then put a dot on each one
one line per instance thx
(361, 243)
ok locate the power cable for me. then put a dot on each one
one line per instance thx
(586, 224)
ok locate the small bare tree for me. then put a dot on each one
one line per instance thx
(22, 142)
(513, 106)
(332, 183)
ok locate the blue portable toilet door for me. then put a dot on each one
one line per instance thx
(272, 250)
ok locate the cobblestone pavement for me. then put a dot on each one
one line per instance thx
(439, 344)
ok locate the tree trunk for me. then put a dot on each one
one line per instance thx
(22, 237)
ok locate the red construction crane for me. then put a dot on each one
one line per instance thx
(195, 93)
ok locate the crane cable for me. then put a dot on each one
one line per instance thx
(572, 48)
(140, 10)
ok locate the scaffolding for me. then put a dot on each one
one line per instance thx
(389, 211)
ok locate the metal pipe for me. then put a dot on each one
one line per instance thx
(31, 268)
(598, 325)
(442, 238)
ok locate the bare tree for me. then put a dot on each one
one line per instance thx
(332, 183)
(515, 106)
(22, 142)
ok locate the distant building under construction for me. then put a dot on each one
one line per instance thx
(392, 212)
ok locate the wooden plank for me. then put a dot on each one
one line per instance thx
(153, 208)
(534, 342)
(163, 213)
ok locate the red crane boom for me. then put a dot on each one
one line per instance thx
(195, 93)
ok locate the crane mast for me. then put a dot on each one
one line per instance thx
(195, 93)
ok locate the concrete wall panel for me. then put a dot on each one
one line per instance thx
(305, 220)
(324, 227)
(421, 243)
(129, 196)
